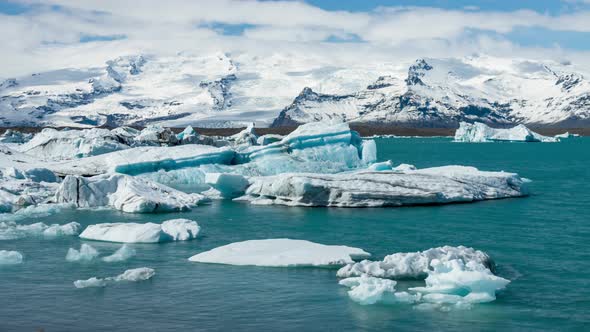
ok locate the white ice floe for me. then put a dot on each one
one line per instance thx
(370, 290)
(566, 135)
(280, 253)
(387, 188)
(132, 275)
(8, 257)
(122, 254)
(125, 193)
(10, 230)
(86, 253)
(479, 132)
(68, 144)
(171, 230)
(413, 264)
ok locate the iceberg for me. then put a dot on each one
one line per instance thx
(156, 135)
(69, 144)
(413, 265)
(370, 290)
(457, 282)
(132, 275)
(171, 230)
(364, 188)
(124, 193)
(479, 132)
(121, 255)
(10, 230)
(10, 257)
(280, 253)
(140, 160)
(15, 137)
(245, 137)
(227, 185)
(565, 135)
(86, 253)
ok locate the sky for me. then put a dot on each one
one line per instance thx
(47, 34)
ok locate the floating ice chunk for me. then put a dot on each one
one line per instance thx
(9, 230)
(413, 264)
(10, 257)
(566, 135)
(69, 144)
(181, 229)
(246, 136)
(455, 281)
(187, 136)
(369, 151)
(280, 252)
(370, 290)
(228, 185)
(382, 166)
(86, 253)
(125, 193)
(389, 188)
(122, 254)
(479, 132)
(132, 275)
(171, 230)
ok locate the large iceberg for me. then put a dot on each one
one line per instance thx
(170, 230)
(413, 265)
(479, 132)
(125, 193)
(132, 275)
(386, 188)
(281, 253)
(68, 144)
(8, 257)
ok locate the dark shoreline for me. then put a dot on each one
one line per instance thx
(365, 131)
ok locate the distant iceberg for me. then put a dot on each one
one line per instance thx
(170, 230)
(479, 132)
(436, 185)
(10, 230)
(281, 253)
(132, 275)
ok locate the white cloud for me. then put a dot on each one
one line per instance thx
(46, 37)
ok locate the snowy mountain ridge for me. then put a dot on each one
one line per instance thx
(220, 90)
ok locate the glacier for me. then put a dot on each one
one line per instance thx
(479, 132)
(170, 230)
(280, 253)
(131, 275)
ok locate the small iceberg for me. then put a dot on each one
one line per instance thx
(8, 257)
(170, 230)
(121, 255)
(413, 265)
(132, 275)
(479, 132)
(86, 253)
(399, 187)
(281, 253)
(10, 230)
(370, 290)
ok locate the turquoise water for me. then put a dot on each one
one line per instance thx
(540, 242)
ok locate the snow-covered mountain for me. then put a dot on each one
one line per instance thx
(444, 92)
(288, 88)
